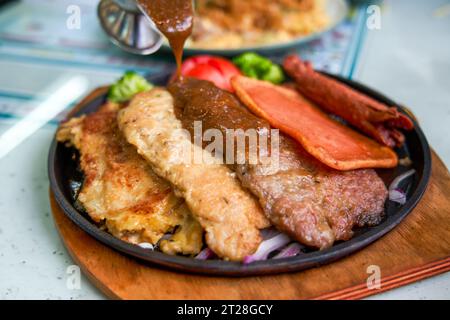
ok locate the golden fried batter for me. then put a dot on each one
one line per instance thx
(213, 194)
(122, 191)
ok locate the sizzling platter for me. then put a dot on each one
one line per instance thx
(237, 167)
(65, 176)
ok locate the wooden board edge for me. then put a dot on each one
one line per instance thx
(350, 293)
(393, 281)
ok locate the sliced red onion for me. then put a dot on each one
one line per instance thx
(398, 196)
(396, 182)
(289, 251)
(146, 245)
(395, 193)
(205, 254)
(268, 246)
(269, 233)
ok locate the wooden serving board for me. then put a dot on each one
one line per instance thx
(416, 249)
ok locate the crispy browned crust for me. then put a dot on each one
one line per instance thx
(120, 190)
(213, 195)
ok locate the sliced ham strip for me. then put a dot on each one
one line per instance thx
(329, 141)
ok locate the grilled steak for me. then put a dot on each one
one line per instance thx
(312, 203)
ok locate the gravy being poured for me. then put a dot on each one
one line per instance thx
(174, 18)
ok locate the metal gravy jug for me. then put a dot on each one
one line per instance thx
(128, 27)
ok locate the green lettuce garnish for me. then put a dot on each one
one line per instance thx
(256, 66)
(126, 87)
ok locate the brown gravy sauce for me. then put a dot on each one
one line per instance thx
(175, 19)
(200, 100)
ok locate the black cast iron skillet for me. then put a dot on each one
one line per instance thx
(63, 173)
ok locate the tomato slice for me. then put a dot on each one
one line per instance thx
(207, 72)
(215, 69)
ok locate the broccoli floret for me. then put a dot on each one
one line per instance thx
(126, 87)
(255, 66)
(274, 74)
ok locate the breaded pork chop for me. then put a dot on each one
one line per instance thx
(212, 193)
(120, 189)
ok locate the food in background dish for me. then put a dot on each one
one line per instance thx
(229, 24)
(121, 192)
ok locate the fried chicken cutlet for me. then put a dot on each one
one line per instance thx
(121, 191)
(214, 196)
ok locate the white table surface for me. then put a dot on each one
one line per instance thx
(408, 59)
